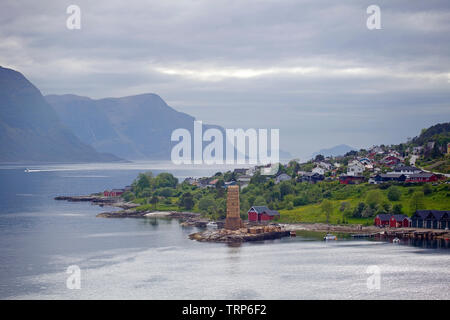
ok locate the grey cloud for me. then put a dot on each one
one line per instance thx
(366, 80)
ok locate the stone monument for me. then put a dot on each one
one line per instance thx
(233, 220)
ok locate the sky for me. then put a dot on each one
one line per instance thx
(312, 69)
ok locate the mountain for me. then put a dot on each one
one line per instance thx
(339, 150)
(134, 127)
(439, 133)
(30, 130)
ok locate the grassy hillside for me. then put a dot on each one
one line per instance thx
(434, 198)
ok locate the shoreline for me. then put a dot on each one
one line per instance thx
(192, 219)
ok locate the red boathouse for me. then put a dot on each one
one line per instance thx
(382, 220)
(262, 214)
(399, 221)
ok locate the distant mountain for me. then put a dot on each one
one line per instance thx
(135, 127)
(30, 130)
(335, 151)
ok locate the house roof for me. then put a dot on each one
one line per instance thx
(383, 216)
(264, 209)
(399, 217)
(260, 209)
(391, 175)
(406, 168)
(436, 214)
(421, 175)
(213, 181)
(273, 213)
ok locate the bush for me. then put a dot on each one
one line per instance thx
(206, 203)
(374, 198)
(300, 201)
(394, 193)
(427, 189)
(397, 209)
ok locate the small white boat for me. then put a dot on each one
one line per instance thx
(211, 225)
(329, 236)
(396, 240)
(27, 170)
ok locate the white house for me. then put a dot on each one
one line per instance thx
(355, 168)
(318, 170)
(325, 165)
(406, 170)
(367, 163)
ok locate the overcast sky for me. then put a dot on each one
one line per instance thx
(310, 68)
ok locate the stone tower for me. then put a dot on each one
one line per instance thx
(233, 220)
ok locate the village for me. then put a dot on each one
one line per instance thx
(382, 166)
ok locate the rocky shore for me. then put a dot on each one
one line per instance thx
(99, 200)
(323, 227)
(129, 209)
(254, 233)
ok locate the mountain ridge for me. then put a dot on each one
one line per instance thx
(30, 130)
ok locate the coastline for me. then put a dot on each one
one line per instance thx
(249, 233)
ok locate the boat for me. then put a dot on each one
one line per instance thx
(27, 170)
(293, 234)
(329, 236)
(396, 240)
(211, 225)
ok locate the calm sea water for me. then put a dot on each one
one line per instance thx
(153, 259)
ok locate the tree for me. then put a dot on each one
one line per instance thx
(397, 209)
(206, 203)
(286, 188)
(417, 201)
(427, 189)
(143, 181)
(166, 192)
(187, 201)
(154, 200)
(146, 192)
(357, 212)
(128, 196)
(394, 193)
(327, 208)
(319, 157)
(344, 206)
(260, 201)
(374, 198)
(165, 179)
(300, 201)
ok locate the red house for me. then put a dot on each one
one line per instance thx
(351, 179)
(262, 214)
(113, 193)
(382, 220)
(422, 177)
(391, 161)
(399, 221)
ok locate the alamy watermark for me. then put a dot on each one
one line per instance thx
(239, 146)
(74, 280)
(374, 280)
(73, 22)
(374, 20)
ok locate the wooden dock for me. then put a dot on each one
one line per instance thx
(426, 234)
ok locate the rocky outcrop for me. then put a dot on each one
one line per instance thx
(257, 233)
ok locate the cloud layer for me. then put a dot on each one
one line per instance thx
(310, 68)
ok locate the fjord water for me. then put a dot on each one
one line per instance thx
(153, 258)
